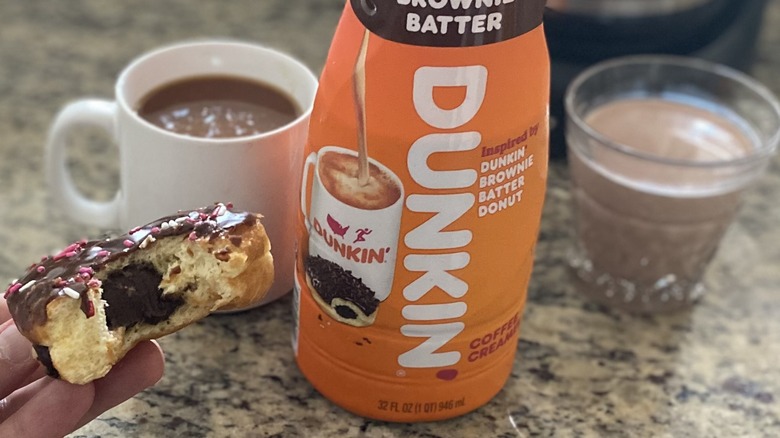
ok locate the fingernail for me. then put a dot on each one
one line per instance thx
(162, 354)
(15, 349)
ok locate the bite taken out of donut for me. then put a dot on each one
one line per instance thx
(84, 308)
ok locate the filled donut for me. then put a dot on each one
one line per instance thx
(340, 294)
(87, 306)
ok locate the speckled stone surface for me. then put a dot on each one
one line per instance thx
(581, 369)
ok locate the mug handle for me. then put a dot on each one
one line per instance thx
(310, 160)
(87, 112)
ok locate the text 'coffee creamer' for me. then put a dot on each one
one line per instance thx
(421, 196)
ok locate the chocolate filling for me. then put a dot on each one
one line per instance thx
(134, 297)
(345, 312)
(332, 281)
(44, 358)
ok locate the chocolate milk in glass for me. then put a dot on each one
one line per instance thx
(647, 233)
(421, 196)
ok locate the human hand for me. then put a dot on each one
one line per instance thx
(35, 405)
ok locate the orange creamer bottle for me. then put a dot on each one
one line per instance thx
(421, 197)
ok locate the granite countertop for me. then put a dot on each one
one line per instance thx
(581, 369)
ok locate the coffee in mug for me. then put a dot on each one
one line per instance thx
(218, 107)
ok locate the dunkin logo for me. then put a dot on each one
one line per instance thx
(335, 235)
(434, 322)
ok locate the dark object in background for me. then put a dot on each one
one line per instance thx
(580, 34)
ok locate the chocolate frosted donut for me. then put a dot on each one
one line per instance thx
(340, 294)
(87, 306)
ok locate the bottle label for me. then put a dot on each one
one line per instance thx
(421, 198)
(449, 23)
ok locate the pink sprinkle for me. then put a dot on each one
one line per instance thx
(94, 283)
(85, 276)
(12, 289)
(103, 253)
(59, 282)
(40, 269)
(66, 253)
(83, 242)
(203, 216)
(229, 205)
(135, 230)
(44, 258)
(72, 247)
(190, 220)
(86, 270)
(155, 230)
(69, 251)
(193, 236)
(128, 243)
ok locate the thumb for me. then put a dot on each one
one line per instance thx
(53, 411)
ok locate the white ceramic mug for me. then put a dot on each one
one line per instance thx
(162, 171)
(360, 240)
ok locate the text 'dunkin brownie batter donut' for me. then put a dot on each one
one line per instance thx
(87, 306)
(339, 293)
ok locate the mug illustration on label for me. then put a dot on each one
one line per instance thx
(353, 234)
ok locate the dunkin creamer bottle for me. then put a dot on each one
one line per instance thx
(421, 196)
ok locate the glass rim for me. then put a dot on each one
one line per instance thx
(765, 150)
